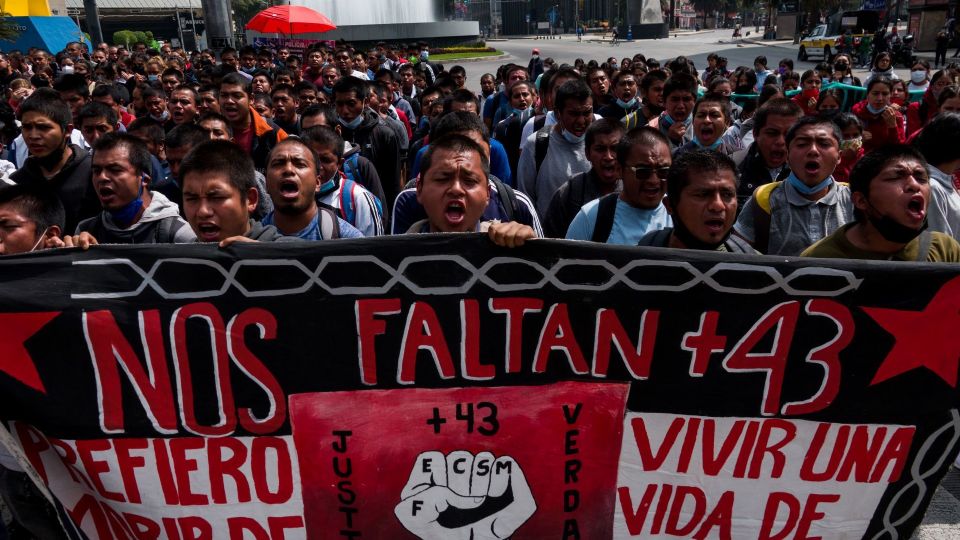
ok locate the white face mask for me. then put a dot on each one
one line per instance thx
(918, 76)
(67, 70)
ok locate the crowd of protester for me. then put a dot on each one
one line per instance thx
(141, 146)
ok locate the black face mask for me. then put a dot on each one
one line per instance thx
(692, 242)
(895, 232)
(52, 159)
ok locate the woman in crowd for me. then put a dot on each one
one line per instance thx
(882, 67)
(882, 123)
(919, 76)
(843, 71)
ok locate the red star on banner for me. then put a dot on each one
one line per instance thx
(923, 338)
(15, 361)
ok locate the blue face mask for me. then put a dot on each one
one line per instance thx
(519, 112)
(875, 111)
(152, 78)
(714, 146)
(626, 104)
(805, 189)
(353, 124)
(128, 213)
(573, 139)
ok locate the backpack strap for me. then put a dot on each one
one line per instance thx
(539, 122)
(762, 218)
(165, 231)
(348, 205)
(606, 211)
(926, 238)
(351, 167)
(327, 222)
(541, 144)
(508, 198)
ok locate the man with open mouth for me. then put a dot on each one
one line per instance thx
(220, 193)
(702, 200)
(784, 218)
(765, 160)
(454, 191)
(711, 118)
(891, 191)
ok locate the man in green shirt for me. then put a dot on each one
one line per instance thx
(890, 188)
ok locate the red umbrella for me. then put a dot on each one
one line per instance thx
(290, 20)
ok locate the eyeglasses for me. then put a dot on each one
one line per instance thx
(642, 172)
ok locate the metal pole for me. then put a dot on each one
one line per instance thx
(179, 29)
(92, 17)
(193, 23)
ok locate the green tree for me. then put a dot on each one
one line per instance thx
(7, 31)
(244, 10)
(707, 7)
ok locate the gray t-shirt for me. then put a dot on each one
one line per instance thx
(795, 221)
(562, 162)
(943, 211)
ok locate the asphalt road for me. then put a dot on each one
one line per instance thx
(942, 521)
(695, 45)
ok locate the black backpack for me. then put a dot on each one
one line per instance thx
(606, 211)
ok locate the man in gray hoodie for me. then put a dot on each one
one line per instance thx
(132, 214)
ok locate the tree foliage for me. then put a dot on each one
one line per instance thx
(129, 37)
(7, 31)
(707, 7)
(244, 10)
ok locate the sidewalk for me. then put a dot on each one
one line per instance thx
(789, 44)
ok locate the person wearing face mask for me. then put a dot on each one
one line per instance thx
(711, 118)
(829, 102)
(651, 93)
(882, 68)
(919, 113)
(132, 213)
(46, 124)
(784, 218)
(362, 126)
(919, 76)
(843, 71)
(535, 67)
(679, 96)
(626, 101)
(882, 123)
(851, 145)
(891, 196)
(564, 155)
(31, 219)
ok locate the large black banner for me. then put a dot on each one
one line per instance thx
(440, 387)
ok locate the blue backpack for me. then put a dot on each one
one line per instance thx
(348, 206)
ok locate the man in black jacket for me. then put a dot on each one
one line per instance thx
(765, 160)
(63, 167)
(364, 127)
(602, 139)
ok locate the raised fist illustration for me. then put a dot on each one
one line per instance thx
(462, 496)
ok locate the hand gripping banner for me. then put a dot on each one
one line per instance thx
(438, 387)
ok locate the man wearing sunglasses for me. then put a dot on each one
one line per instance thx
(625, 217)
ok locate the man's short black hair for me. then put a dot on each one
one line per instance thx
(109, 89)
(73, 82)
(693, 163)
(720, 99)
(186, 136)
(604, 126)
(350, 84)
(680, 82)
(149, 128)
(640, 135)
(188, 88)
(95, 109)
(37, 202)
(283, 87)
(329, 112)
(870, 165)
(652, 76)
(453, 142)
(458, 69)
(219, 156)
(813, 121)
(775, 107)
(940, 139)
(213, 115)
(460, 95)
(172, 71)
(458, 122)
(236, 79)
(47, 102)
(571, 91)
(137, 152)
(323, 137)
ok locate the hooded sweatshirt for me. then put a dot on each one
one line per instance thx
(881, 134)
(160, 224)
(380, 145)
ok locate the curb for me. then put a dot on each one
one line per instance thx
(456, 61)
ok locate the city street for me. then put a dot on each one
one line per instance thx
(942, 521)
(694, 45)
